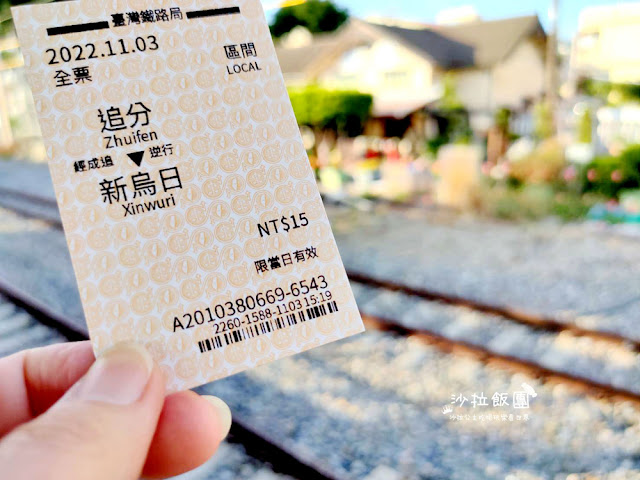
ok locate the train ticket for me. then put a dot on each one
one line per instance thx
(189, 206)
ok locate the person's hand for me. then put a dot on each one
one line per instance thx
(64, 416)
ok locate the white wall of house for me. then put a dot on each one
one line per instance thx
(519, 76)
(385, 68)
(473, 87)
(508, 84)
(295, 79)
(606, 46)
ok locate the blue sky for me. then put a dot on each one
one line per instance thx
(426, 10)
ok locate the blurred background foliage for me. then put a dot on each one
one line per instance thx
(612, 93)
(611, 175)
(317, 16)
(345, 111)
(6, 21)
(543, 165)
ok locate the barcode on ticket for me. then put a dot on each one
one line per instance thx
(267, 326)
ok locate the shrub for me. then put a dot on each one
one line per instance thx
(630, 165)
(608, 176)
(532, 202)
(434, 144)
(544, 165)
(345, 111)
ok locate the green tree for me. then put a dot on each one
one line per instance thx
(612, 93)
(315, 15)
(543, 120)
(502, 121)
(585, 126)
(5, 13)
(450, 99)
(6, 21)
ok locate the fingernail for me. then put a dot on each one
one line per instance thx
(119, 376)
(224, 413)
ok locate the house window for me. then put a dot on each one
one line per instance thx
(588, 41)
(395, 78)
(346, 78)
(354, 60)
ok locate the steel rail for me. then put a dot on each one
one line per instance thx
(531, 320)
(8, 197)
(30, 197)
(505, 362)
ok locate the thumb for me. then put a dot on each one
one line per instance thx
(100, 429)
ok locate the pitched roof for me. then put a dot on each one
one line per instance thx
(479, 43)
(492, 40)
(444, 51)
(300, 58)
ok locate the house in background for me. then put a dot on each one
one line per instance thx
(494, 64)
(606, 45)
(605, 48)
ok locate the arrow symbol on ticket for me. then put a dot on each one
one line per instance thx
(136, 157)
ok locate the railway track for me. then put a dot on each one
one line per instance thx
(264, 448)
(512, 362)
(509, 362)
(31, 205)
(271, 449)
(533, 321)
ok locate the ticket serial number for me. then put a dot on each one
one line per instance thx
(244, 306)
(273, 312)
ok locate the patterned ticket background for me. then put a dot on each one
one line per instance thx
(190, 209)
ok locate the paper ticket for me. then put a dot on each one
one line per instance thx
(190, 209)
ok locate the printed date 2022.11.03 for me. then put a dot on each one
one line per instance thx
(108, 48)
(249, 303)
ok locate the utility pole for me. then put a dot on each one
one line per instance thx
(551, 67)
